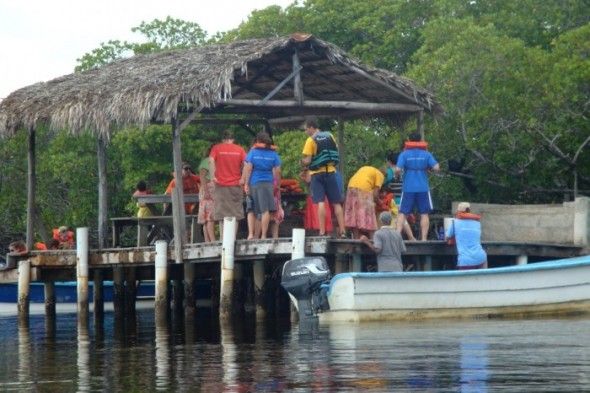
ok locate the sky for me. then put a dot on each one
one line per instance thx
(41, 39)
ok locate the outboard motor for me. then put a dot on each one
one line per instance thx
(302, 279)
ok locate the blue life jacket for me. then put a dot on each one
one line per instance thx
(327, 151)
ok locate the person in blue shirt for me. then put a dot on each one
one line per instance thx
(415, 162)
(262, 170)
(466, 230)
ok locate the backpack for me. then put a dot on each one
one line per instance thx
(327, 151)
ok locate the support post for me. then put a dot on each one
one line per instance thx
(297, 252)
(24, 282)
(161, 273)
(31, 181)
(341, 148)
(258, 273)
(420, 124)
(357, 263)
(98, 296)
(178, 213)
(189, 287)
(82, 272)
(130, 291)
(49, 292)
(227, 267)
(297, 84)
(101, 155)
(118, 292)
(522, 259)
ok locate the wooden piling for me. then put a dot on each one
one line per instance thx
(98, 295)
(258, 276)
(161, 275)
(227, 267)
(189, 287)
(357, 263)
(24, 282)
(130, 290)
(118, 292)
(49, 292)
(82, 272)
(522, 259)
(297, 251)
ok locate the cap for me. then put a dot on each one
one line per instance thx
(463, 206)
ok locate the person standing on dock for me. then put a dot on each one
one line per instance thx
(206, 203)
(387, 244)
(415, 162)
(262, 171)
(362, 193)
(320, 156)
(466, 230)
(225, 166)
(64, 237)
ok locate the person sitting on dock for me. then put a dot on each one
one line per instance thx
(64, 237)
(190, 185)
(387, 244)
(18, 247)
(143, 209)
(466, 230)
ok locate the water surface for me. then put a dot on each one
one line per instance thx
(135, 355)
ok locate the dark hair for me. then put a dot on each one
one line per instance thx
(263, 137)
(228, 134)
(415, 137)
(311, 121)
(391, 156)
(141, 186)
(17, 246)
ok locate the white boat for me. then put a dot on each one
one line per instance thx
(543, 288)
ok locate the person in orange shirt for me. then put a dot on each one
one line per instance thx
(362, 193)
(64, 237)
(190, 185)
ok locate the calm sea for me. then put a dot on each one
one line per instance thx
(135, 355)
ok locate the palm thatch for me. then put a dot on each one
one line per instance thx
(165, 85)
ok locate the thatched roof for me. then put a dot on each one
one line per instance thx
(165, 85)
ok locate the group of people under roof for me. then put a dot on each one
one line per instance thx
(234, 183)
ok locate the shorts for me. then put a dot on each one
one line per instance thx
(326, 184)
(420, 200)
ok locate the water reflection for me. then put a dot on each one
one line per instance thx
(474, 364)
(162, 354)
(199, 354)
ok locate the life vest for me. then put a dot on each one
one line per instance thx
(259, 145)
(327, 151)
(40, 246)
(468, 216)
(415, 145)
(68, 239)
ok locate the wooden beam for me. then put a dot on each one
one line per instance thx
(297, 84)
(31, 182)
(369, 106)
(279, 86)
(101, 155)
(178, 212)
(386, 85)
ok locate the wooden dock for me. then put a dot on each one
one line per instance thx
(242, 272)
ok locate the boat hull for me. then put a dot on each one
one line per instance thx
(545, 288)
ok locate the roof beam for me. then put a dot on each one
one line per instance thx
(368, 106)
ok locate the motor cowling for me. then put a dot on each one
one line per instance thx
(303, 278)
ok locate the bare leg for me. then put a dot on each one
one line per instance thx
(264, 222)
(274, 225)
(424, 226)
(401, 219)
(206, 233)
(251, 225)
(339, 212)
(408, 231)
(210, 229)
(322, 218)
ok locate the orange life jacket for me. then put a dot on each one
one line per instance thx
(468, 216)
(416, 145)
(40, 246)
